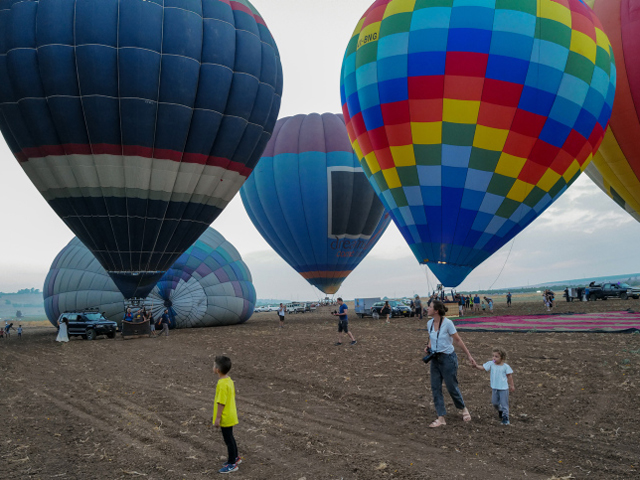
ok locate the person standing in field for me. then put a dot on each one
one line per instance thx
(386, 310)
(418, 304)
(476, 303)
(489, 303)
(62, 330)
(281, 313)
(509, 299)
(225, 414)
(152, 325)
(343, 322)
(164, 320)
(19, 331)
(501, 383)
(444, 366)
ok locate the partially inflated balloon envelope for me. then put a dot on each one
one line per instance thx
(310, 200)
(616, 166)
(137, 120)
(208, 286)
(471, 117)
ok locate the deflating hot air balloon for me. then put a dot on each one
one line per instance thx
(208, 286)
(137, 120)
(616, 166)
(471, 118)
(310, 200)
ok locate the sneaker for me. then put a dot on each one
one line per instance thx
(354, 342)
(338, 343)
(228, 468)
(505, 420)
(238, 462)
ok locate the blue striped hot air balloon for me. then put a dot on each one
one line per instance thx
(137, 120)
(310, 200)
(208, 286)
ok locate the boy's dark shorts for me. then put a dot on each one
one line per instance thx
(343, 326)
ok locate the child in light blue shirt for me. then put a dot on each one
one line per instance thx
(501, 383)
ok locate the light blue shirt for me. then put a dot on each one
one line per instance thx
(498, 375)
(444, 342)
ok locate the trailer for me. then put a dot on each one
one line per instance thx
(363, 306)
(575, 294)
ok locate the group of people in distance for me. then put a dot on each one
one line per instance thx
(6, 330)
(144, 315)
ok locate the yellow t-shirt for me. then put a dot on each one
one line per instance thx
(226, 395)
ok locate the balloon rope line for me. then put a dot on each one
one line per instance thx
(426, 273)
(505, 264)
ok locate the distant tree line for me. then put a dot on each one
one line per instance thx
(22, 291)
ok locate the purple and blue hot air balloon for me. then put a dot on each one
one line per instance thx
(137, 120)
(310, 200)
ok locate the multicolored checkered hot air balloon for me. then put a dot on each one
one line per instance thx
(616, 166)
(137, 120)
(471, 117)
(310, 200)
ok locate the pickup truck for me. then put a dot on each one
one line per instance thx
(635, 291)
(609, 290)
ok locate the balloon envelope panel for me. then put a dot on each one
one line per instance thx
(310, 200)
(209, 285)
(616, 166)
(471, 118)
(138, 121)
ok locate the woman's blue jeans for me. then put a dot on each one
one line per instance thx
(445, 367)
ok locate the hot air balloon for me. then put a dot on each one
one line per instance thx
(616, 166)
(310, 200)
(137, 120)
(471, 118)
(208, 286)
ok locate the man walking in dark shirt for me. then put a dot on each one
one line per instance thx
(164, 320)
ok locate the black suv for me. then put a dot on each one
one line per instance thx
(89, 324)
(398, 309)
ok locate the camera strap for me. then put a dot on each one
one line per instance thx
(438, 334)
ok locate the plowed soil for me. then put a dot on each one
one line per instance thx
(141, 408)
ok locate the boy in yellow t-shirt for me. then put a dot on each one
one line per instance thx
(225, 415)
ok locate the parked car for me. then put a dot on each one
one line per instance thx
(609, 290)
(88, 324)
(273, 308)
(398, 309)
(295, 308)
(261, 309)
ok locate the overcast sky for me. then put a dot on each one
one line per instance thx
(583, 234)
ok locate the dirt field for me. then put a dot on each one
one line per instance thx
(141, 408)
